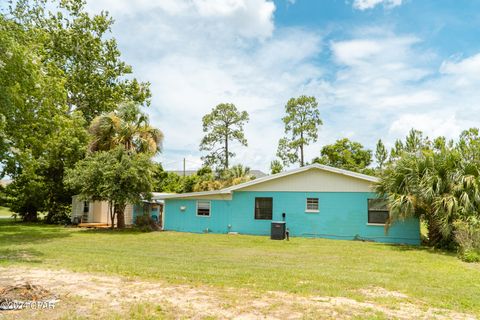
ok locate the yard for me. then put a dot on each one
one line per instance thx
(171, 275)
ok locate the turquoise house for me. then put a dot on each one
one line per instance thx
(314, 201)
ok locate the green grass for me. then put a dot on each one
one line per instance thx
(302, 266)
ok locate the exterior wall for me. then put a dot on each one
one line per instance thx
(98, 211)
(77, 207)
(342, 215)
(313, 180)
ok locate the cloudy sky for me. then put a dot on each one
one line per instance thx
(376, 67)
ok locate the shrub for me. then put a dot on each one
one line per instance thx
(146, 223)
(467, 236)
(60, 214)
(470, 256)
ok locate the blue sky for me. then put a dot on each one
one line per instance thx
(376, 67)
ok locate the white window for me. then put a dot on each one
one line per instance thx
(312, 205)
(203, 208)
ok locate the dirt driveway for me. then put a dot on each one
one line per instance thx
(83, 295)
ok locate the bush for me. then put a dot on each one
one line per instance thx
(146, 223)
(467, 236)
(60, 214)
(470, 256)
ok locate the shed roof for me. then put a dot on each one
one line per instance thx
(314, 166)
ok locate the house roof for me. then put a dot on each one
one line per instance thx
(256, 173)
(273, 177)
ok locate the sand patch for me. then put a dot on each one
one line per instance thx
(113, 294)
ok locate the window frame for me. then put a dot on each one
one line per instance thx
(312, 210)
(376, 210)
(255, 208)
(209, 209)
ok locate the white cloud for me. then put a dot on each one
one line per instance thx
(387, 84)
(375, 84)
(211, 52)
(370, 4)
(247, 18)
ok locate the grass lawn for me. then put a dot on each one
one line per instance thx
(300, 266)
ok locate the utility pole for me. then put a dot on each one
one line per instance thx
(184, 167)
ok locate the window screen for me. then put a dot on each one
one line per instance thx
(377, 211)
(203, 208)
(263, 208)
(312, 204)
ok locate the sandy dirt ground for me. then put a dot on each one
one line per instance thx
(83, 295)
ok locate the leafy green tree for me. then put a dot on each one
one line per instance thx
(117, 176)
(381, 154)
(439, 185)
(128, 127)
(80, 45)
(397, 150)
(276, 167)
(58, 66)
(239, 171)
(301, 121)
(345, 154)
(222, 126)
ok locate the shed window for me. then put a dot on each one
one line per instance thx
(203, 208)
(312, 205)
(86, 206)
(377, 211)
(263, 208)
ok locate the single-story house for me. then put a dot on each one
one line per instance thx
(96, 212)
(314, 201)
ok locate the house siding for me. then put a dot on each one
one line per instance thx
(342, 215)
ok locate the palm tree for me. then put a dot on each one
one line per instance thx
(439, 186)
(127, 127)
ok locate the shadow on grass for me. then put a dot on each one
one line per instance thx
(20, 255)
(431, 250)
(114, 232)
(12, 233)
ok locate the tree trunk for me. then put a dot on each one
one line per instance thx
(112, 214)
(302, 162)
(435, 236)
(30, 216)
(120, 216)
(301, 156)
(226, 151)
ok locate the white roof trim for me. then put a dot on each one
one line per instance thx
(192, 194)
(273, 177)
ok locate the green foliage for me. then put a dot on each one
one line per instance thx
(276, 167)
(467, 236)
(381, 154)
(146, 223)
(301, 121)
(116, 176)
(345, 154)
(82, 48)
(127, 126)
(222, 126)
(203, 180)
(439, 184)
(59, 68)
